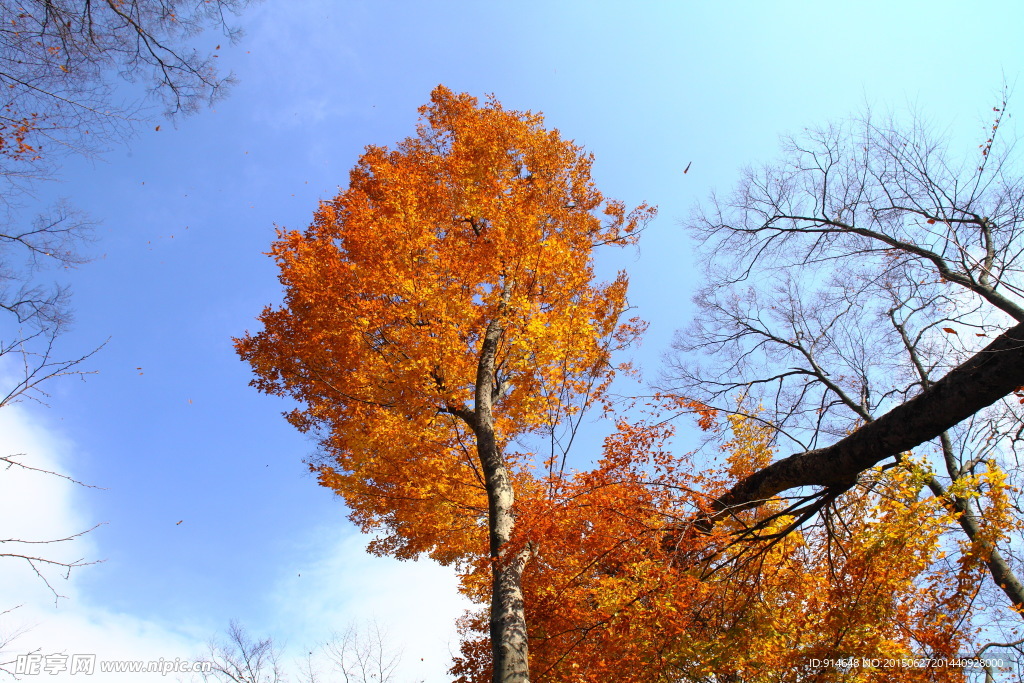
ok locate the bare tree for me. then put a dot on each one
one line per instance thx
(60, 65)
(356, 655)
(865, 297)
(31, 551)
(37, 313)
(46, 558)
(61, 60)
(243, 660)
(359, 654)
(7, 666)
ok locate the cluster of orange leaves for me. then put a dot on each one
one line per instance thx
(15, 132)
(482, 216)
(608, 599)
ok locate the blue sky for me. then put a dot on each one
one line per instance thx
(168, 426)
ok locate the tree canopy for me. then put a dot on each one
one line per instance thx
(438, 309)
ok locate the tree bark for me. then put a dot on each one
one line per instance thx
(509, 644)
(992, 373)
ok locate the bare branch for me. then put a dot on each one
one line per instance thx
(243, 660)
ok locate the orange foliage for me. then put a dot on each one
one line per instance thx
(484, 216)
(608, 601)
(15, 131)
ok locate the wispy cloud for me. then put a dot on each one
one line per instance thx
(327, 585)
(35, 506)
(415, 603)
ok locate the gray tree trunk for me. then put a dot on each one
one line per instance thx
(509, 644)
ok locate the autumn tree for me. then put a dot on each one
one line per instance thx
(866, 293)
(440, 313)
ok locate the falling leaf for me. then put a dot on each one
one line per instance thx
(157, 128)
(950, 330)
(179, 522)
(685, 170)
(931, 221)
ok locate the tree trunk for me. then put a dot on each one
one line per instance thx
(509, 644)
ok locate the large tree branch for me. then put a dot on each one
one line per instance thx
(988, 376)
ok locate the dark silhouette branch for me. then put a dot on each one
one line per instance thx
(991, 374)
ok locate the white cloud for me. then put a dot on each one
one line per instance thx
(35, 506)
(323, 587)
(414, 603)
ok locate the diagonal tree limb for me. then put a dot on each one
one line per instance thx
(992, 373)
